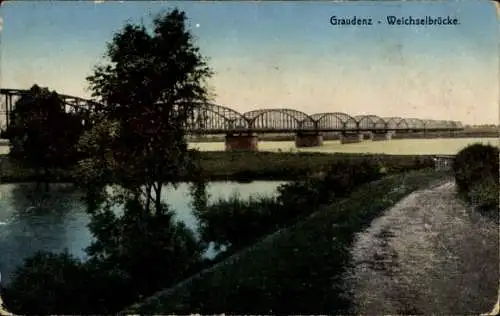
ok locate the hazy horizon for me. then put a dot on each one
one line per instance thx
(282, 54)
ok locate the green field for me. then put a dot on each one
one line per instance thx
(245, 166)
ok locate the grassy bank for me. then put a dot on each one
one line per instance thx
(291, 166)
(245, 166)
(296, 270)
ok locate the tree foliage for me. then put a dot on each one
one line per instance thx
(151, 85)
(42, 134)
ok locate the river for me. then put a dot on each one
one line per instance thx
(31, 221)
(434, 146)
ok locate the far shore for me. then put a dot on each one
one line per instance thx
(242, 166)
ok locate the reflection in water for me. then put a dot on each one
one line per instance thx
(32, 220)
(38, 220)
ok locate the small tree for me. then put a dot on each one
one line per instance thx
(150, 85)
(42, 135)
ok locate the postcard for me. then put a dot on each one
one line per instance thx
(249, 157)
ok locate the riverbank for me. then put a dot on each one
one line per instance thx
(246, 166)
(302, 264)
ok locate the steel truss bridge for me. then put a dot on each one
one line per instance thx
(211, 118)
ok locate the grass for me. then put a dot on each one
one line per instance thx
(291, 165)
(295, 270)
(245, 166)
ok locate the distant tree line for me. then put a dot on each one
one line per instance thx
(481, 126)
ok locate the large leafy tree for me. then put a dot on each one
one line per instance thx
(42, 134)
(150, 85)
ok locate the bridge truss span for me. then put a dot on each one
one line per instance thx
(335, 121)
(279, 119)
(210, 118)
(371, 122)
(213, 117)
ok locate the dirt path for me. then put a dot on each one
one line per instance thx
(428, 254)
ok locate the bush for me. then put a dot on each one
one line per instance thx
(47, 284)
(485, 196)
(474, 164)
(58, 284)
(476, 170)
(235, 223)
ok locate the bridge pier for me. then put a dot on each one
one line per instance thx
(243, 141)
(380, 136)
(311, 139)
(368, 135)
(350, 137)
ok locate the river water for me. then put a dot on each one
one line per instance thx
(434, 146)
(31, 220)
(429, 254)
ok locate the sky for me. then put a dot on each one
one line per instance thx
(282, 54)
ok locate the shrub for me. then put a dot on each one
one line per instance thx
(474, 164)
(476, 170)
(235, 223)
(485, 196)
(50, 283)
(342, 177)
(47, 284)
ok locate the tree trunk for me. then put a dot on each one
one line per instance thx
(158, 189)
